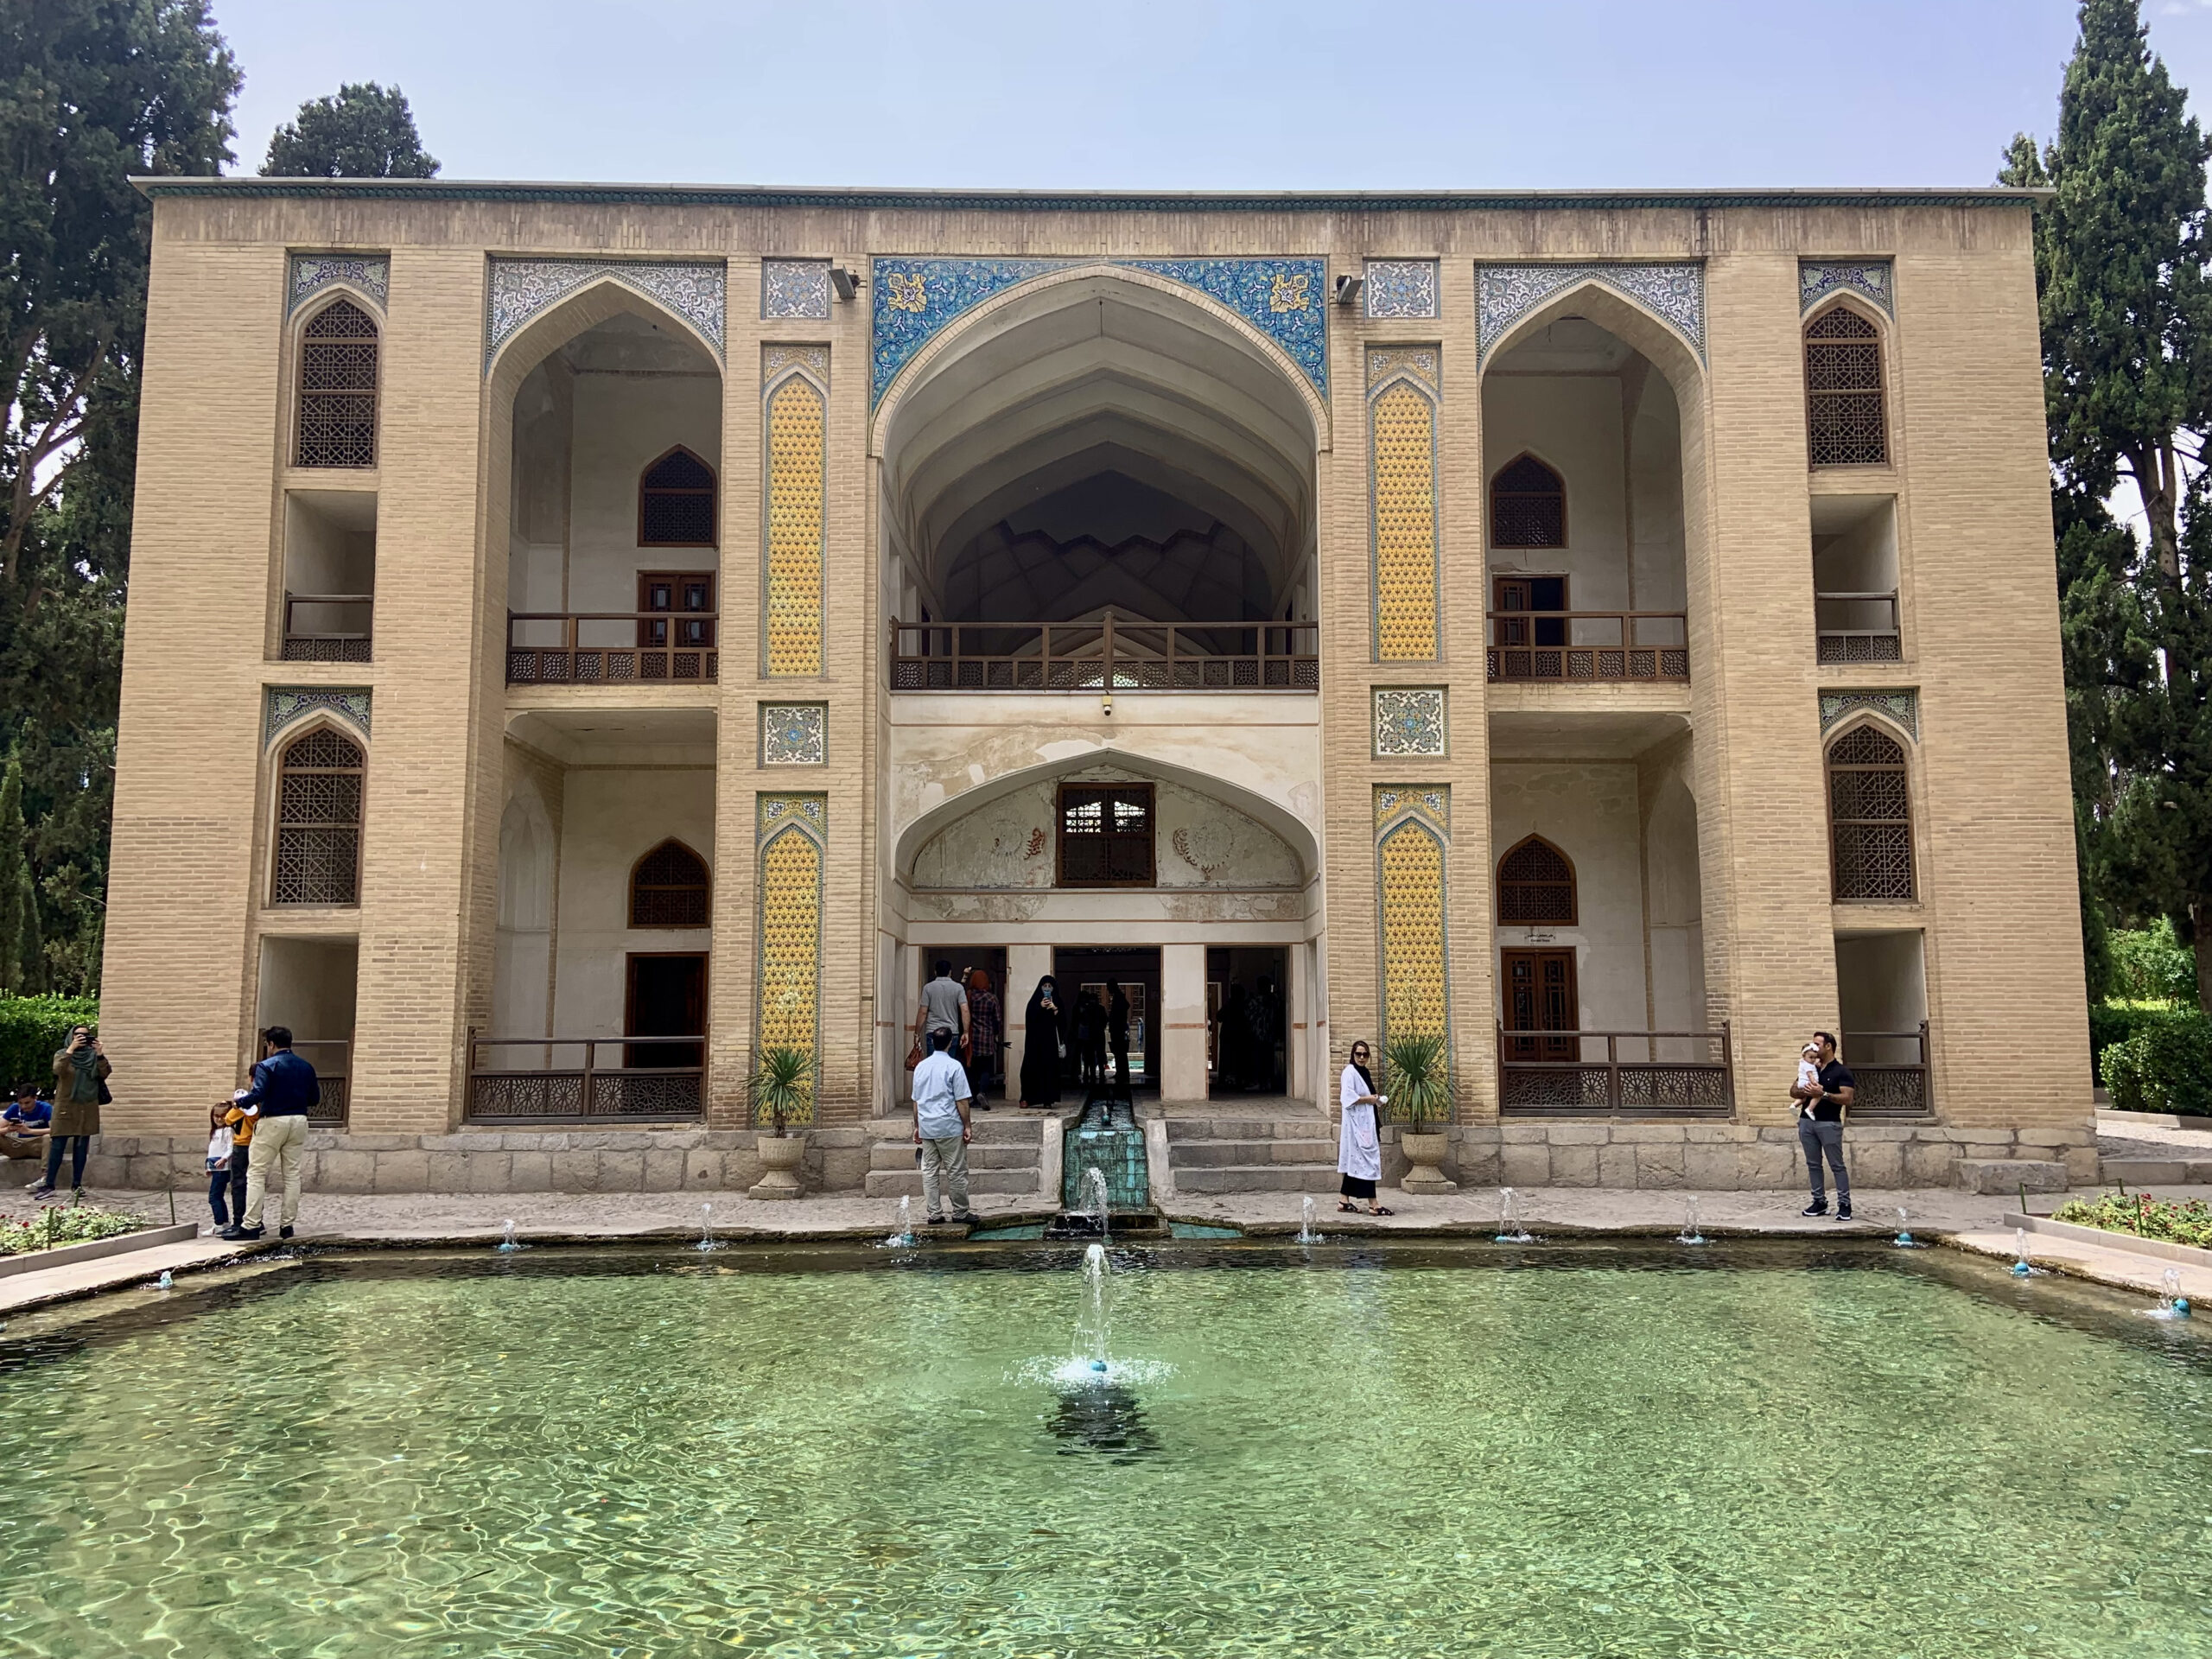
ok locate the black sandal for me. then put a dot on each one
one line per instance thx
(1345, 1206)
(1379, 1211)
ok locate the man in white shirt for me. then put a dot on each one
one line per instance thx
(941, 1096)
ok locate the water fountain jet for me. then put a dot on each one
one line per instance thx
(1689, 1235)
(1904, 1240)
(507, 1245)
(902, 1236)
(1509, 1230)
(707, 1239)
(2172, 1304)
(1306, 1233)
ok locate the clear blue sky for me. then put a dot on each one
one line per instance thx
(1196, 94)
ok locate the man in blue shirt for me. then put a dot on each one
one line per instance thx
(941, 1127)
(22, 1126)
(283, 1089)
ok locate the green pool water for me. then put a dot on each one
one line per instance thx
(808, 1454)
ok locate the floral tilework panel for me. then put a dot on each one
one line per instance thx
(1401, 287)
(1902, 706)
(795, 287)
(1409, 721)
(1505, 294)
(286, 703)
(1870, 279)
(913, 298)
(522, 288)
(311, 272)
(794, 734)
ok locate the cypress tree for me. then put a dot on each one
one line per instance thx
(18, 903)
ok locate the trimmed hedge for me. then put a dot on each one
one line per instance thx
(2163, 1064)
(33, 1030)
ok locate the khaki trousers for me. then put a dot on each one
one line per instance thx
(277, 1140)
(947, 1157)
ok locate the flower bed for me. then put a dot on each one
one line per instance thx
(2187, 1221)
(77, 1223)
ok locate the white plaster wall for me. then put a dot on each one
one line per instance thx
(1675, 899)
(1572, 423)
(610, 818)
(1881, 985)
(623, 423)
(308, 985)
(1589, 811)
(1655, 467)
(521, 957)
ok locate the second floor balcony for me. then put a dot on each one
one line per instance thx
(1105, 655)
(611, 647)
(1567, 647)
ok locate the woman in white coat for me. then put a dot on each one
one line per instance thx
(1359, 1138)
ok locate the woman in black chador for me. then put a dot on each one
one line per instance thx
(1041, 1030)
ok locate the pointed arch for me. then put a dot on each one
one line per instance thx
(1536, 886)
(1869, 815)
(677, 501)
(1847, 395)
(320, 782)
(671, 886)
(1528, 504)
(603, 297)
(339, 372)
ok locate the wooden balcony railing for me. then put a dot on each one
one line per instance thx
(332, 1062)
(1584, 1074)
(568, 1080)
(610, 647)
(1109, 655)
(1589, 646)
(1858, 627)
(1890, 1070)
(326, 627)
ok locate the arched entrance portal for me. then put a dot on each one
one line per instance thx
(1101, 482)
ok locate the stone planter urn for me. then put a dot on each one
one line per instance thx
(781, 1155)
(1426, 1152)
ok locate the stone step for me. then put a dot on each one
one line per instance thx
(2158, 1172)
(982, 1155)
(1204, 1154)
(1996, 1175)
(983, 1128)
(908, 1183)
(1246, 1128)
(1257, 1178)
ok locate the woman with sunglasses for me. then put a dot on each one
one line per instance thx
(1359, 1138)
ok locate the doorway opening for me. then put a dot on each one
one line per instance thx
(1090, 973)
(1540, 997)
(666, 997)
(1247, 1023)
(307, 985)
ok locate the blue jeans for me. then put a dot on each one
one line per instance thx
(1818, 1139)
(228, 1182)
(79, 1145)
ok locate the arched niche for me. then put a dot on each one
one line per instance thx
(1099, 439)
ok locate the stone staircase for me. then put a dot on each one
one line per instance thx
(1002, 1156)
(1247, 1154)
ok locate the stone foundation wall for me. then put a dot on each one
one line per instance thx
(1733, 1157)
(502, 1161)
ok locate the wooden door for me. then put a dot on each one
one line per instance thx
(667, 997)
(1539, 996)
(688, 598)
(1512, 597)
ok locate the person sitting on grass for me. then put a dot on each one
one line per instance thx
(23, 1125)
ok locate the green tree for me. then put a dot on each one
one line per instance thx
(91, 92)
(366, 131)
(23, 954)
(2121, 252)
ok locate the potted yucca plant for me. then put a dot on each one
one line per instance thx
(1417, 1077)
(781, 1092)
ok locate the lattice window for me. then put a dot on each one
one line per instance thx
(1845, 423)
(1870, 816)
(1535, 885)
(319, 822)
(338, 389)
(1106, 836)
(1527, 506)
(669, 888)
(675, 502)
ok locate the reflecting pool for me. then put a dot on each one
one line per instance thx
(1402, 1453)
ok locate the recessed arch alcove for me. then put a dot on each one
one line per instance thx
(1099, 440)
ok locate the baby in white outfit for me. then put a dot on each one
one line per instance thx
(1809, 1076)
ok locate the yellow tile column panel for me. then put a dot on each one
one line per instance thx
(1402, 439)
(792, 610)
(1410, 867)
(790, 955)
